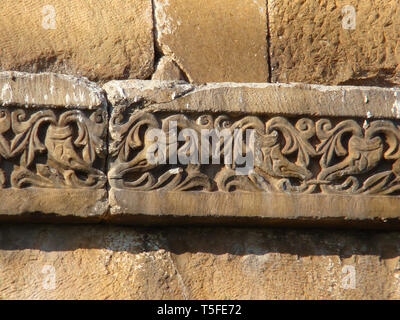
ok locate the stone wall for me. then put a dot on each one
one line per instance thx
(110, 262)
(72, 149)
(326, 41)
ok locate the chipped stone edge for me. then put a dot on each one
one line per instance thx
(265, 98)
(97, 94)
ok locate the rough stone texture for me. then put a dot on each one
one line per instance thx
(214, 40)
(52, 146)
(254, 98)
(167, 69)
(104, 262)
(49, 90)
(309, 44)
(32, 204)
(108, 39)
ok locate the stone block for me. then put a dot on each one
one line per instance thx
(52, 146)
(101, 40)
(275, 152)
(335, 42)
(214, 40)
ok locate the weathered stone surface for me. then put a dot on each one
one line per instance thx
(253, 98)
(167, 69)
(214, 40)
(49, 90)
(101, 40)
(52, 146)
(319, 42)
(300, 165)
(100, 262)
(31, 204)
(269, 208)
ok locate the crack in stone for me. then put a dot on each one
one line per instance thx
(268, 43)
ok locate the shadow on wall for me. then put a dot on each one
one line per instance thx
(216, 241)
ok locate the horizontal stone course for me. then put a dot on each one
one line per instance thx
(328, 42)
(318, 153)
(110, 262)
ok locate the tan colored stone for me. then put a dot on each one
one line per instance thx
(320, 154)
(101, 40)
(265, 208)
(104, 262)
(52, 146)
(49, 90)
(214, 40)
(309, 43)
(256, 98)
(167, 69)
(63, 204)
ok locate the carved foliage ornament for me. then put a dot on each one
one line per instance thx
(290, 155)
(52, 149)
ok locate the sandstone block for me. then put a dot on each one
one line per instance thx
(49, 90)
(313, 153)
(335, 42)
(214, 40)
(53, 148)
(100, 262)
(101, 40)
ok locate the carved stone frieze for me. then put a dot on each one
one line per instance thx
(52, 149)
(271, 151)
(214, 150)
(290, 155)
(53, 146)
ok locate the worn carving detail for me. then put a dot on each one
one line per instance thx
(52, 149)
(290, 155)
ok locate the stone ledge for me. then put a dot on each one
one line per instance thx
(256, 98)
(59, 203)
(314, 153)
(319, 153)
(253, 209)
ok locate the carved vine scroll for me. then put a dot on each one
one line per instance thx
(52, 149)
(290, 155)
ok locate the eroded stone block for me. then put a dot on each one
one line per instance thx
(335, 42)
(52, 145)
(247, 150)
(101, 40)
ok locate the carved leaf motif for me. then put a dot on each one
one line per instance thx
(303, 156)
(227, 180)
(88, 134)
(24, 134)
(296, 139)
(5, 124)
(26, 140)
(392, 137)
